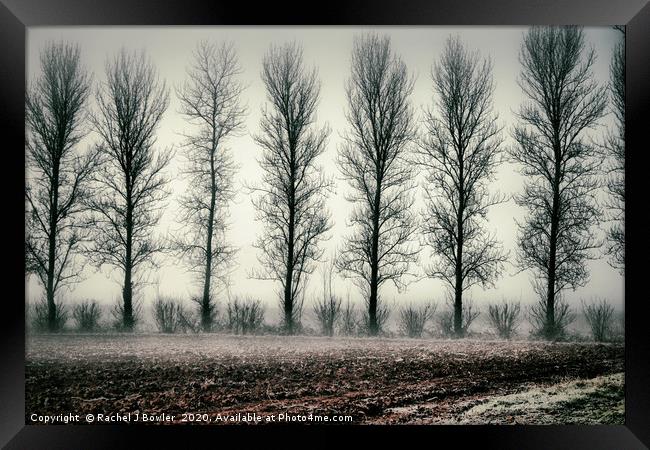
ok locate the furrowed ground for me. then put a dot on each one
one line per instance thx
(376, 381)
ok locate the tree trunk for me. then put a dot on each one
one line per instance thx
(458, 285)
(550, 325)
(288, 283)
(49, 290)
(373, 326)
(127, 290)
(127, 295)
(458, 293)
(206, 313)
(288, 298)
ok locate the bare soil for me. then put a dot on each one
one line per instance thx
(375, 381)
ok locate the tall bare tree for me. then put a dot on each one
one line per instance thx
(130, 184)
(561, 166)
(291, 200)
(461, 150)
(210, 100)
(57, 173)
(374, 160)
(615, 144)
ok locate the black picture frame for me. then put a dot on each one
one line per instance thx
(17, 15)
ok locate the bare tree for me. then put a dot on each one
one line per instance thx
(615, 144)
(460, 151)
(291, 200)
(210, 100)
(564, 102)
(57, 174)
(374, 160)
(130, 184)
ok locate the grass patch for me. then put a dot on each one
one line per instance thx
(593, 401)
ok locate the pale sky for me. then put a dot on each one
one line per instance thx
(329, 50)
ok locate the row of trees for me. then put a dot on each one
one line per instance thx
(106, 202)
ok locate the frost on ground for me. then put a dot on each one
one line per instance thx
(383, 381)
(599, 400)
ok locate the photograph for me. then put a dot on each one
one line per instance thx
(354, 225)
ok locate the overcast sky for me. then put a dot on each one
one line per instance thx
(329, 50)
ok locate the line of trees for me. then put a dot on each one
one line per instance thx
(105, 202)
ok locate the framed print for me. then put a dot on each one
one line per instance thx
(388, 218)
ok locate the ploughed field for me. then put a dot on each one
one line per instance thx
(373, 381)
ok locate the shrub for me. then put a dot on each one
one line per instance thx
(86, 315)
(189, 322)
(468, 315)
(40, 316)
(244, 316)
(328, 307)
(348, 322)
(557, 330)
(504, 318)
(172, 317)
(166, 313)
(599, 316)
(413, 319)
(618, 327)
(327, 311)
